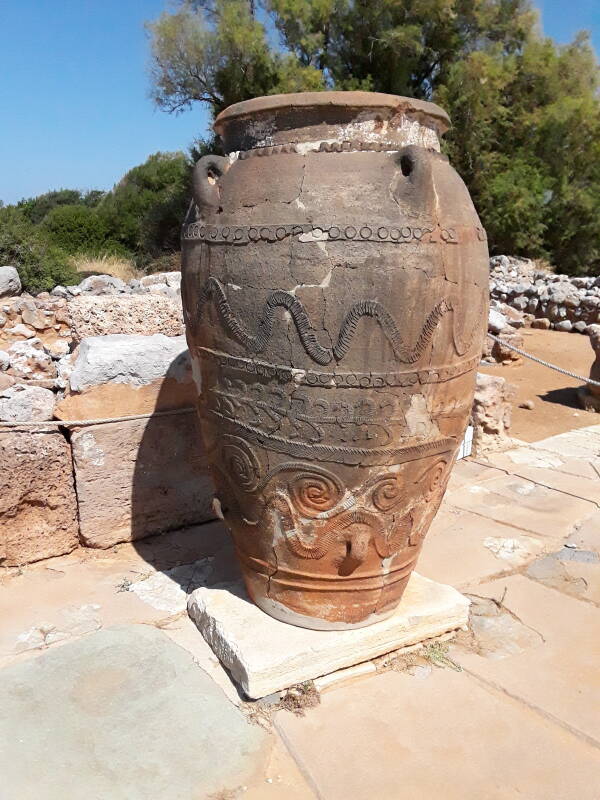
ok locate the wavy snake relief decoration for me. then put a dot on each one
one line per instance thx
(213, 291)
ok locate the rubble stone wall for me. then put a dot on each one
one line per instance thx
(100, 350)
(560, 302)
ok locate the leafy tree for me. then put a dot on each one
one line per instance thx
(526, 112)
(145, 209)
(40, 263)
(36, 208)
(218, 53)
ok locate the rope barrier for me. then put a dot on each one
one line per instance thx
(80, 423)
(542, 362)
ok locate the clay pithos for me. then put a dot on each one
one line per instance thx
(335, 287)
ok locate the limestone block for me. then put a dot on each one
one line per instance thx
(265, 655)
(30, 361)
(172, 279)
(145, 314)
(542, 323)
(491, 413)
(38, 510)
(505, 354)
(26, 403)
(118, 375)
(102, 284)
(140, 477)
(496, 321)
(26, 317)
(10, 283)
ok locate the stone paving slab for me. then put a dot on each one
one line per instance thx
(462, 548)
(265, 655)
(513, 460)
(123, 714)
(581, 443)
(440, 734)
(524, 505)
(560, 675)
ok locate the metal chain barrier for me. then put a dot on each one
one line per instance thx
(542, 362)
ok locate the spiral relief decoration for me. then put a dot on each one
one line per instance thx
(387, 492)
(241, 463)
(435, 479)
(315, 491)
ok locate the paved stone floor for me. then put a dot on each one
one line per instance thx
(108, 691)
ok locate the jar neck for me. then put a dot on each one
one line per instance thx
(318, 129)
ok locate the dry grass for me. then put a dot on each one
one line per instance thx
(122, 268)
(543, 266)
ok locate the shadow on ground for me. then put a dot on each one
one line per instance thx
(173, 525)
(564, 397)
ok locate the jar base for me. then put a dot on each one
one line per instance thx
(284, 614)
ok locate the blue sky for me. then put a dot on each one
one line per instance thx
(74, 106)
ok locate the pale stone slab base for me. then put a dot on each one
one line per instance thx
(265, 655)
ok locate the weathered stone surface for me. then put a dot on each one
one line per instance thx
(26, 317)
(491, 413)
(134, 360)
(10, 283)
(171, 279)
(140, 477)
(566, 657)
(38, 513)
(102, 284)
(265, 655)
(564, 326)
(566, 303)
(26, 403)
(29, 360)
(438, 734)
(132, 717)
(119, 375)
(504, 354)
(594, 334)
(145, 314)
(496, 321)
(542, 323)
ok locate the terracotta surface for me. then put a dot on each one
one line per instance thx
(335, 294)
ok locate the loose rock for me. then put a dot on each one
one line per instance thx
(10, 283)
(26, 404)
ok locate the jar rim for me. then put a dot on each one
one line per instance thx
(342, 100)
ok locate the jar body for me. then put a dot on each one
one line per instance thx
(335, 294)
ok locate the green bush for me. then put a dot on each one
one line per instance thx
(80, 229)
(36, 208)
(41, 264)
(145, 210)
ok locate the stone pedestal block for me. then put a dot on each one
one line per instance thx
(140, 477)
(38, 509)
(265, 655)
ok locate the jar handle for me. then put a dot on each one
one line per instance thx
(205, 184)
